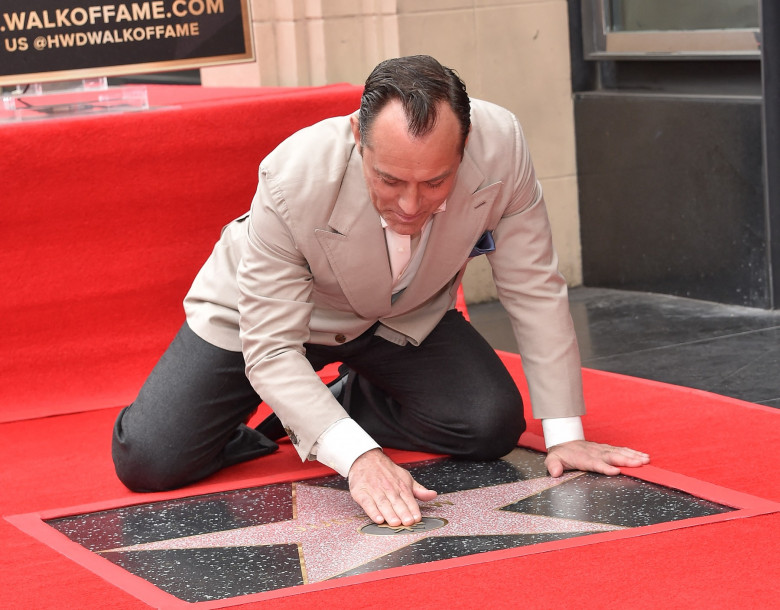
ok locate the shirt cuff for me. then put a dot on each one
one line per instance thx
(341, 444)
(559, 430)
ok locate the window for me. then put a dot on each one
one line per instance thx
(673, 29)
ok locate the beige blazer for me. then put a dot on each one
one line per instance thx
(310, 264)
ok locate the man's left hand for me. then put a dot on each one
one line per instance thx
(594, 457)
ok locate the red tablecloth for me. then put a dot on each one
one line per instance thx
(104, 222)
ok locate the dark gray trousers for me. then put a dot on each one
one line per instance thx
(451, 395)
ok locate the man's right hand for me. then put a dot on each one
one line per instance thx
(387, 492)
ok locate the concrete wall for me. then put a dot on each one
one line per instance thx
(511, 52)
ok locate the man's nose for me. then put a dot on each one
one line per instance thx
(409, 201)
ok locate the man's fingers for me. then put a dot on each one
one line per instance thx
(393, 510)
(387, 492)
(603, 467)
(403, 508)
(623, 456)
(377, 506)
(368, 505)
(423, 493)
(612, 458)
(554, 466)
(594, 457)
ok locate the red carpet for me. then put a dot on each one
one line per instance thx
(104, 222)
(64, 461)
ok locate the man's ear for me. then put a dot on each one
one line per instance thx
(355, 124)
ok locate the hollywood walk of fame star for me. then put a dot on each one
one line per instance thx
(326, 526)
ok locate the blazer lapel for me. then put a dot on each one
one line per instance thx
(355, 246)
(453, 235)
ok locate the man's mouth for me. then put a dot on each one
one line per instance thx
(406, 218)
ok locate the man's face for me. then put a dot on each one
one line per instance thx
(409, 178)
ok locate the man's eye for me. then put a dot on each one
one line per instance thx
(435, 185)
(390, 182)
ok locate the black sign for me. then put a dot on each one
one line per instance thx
(48, 40)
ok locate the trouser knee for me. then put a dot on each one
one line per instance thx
(495, 434)
(144, 465)
(497, 443)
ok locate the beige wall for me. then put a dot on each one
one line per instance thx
(512, 52)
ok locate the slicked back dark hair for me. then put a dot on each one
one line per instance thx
(420, 83)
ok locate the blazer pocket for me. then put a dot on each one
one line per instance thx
(484, 245)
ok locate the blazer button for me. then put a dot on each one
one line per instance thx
(340, 338)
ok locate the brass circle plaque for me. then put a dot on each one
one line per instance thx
(426, 525)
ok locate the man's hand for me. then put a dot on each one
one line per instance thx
(594, 457)
(387, 492)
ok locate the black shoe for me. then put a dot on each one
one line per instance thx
(272, 427)
(247, 444)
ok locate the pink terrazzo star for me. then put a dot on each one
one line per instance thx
(326, 526)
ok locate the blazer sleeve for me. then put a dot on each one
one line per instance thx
(275, 309)
(534, 294)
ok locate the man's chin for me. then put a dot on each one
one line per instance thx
(405, 228)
